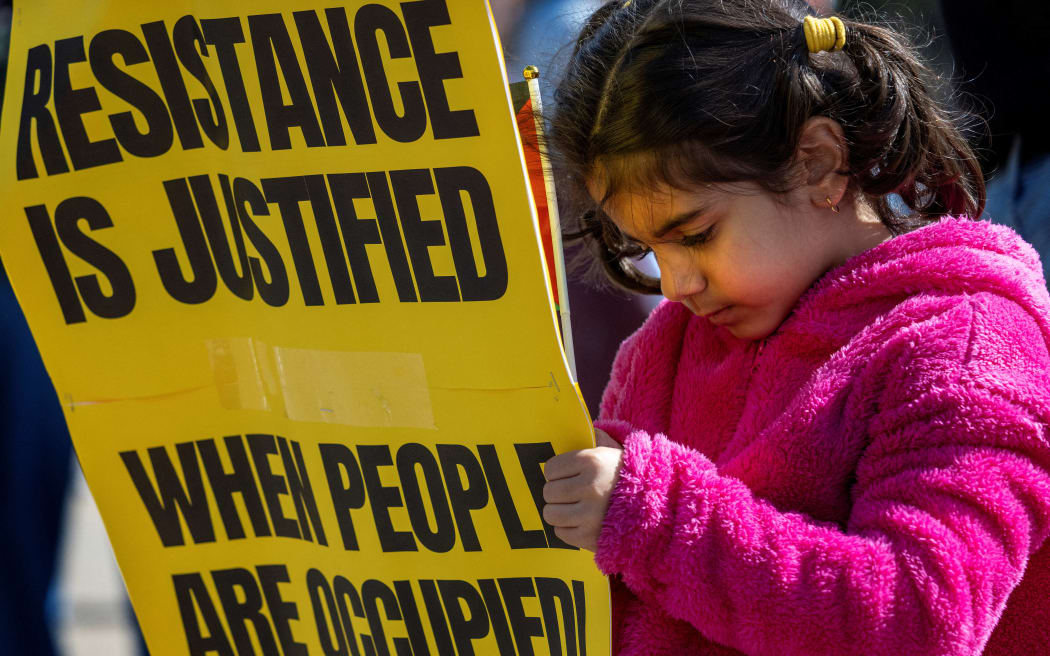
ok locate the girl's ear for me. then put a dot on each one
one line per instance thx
(822, 158)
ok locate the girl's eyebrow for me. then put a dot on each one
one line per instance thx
(680, 219)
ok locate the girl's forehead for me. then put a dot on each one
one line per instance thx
(637, 197)
(641, 210)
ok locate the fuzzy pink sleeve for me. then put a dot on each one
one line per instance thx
(952, 497)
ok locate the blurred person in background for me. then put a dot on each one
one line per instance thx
(1002, 57)
(34, 464)
(998, 56)
(35, 471)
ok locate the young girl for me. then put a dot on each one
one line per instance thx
(834, 431)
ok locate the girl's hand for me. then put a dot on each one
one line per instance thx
(577, 492)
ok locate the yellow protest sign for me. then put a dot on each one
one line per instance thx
(282, 266)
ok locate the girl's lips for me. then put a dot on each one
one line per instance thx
(718, 315)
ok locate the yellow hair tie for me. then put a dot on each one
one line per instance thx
(824, 33)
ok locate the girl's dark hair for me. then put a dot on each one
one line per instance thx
(690, 92)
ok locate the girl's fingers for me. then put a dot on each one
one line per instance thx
(562, 490)
(562, 465)
(583, 461)
(565, 515)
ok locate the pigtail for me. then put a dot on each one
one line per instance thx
(901, 140)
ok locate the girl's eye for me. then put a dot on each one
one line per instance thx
(697, 239)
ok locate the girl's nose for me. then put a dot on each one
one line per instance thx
(680, 277)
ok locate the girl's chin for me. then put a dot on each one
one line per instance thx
(746, 335)
(746, 328)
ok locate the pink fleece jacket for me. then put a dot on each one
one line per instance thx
(873, 478)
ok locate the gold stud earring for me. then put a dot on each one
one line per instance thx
(831, 206)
